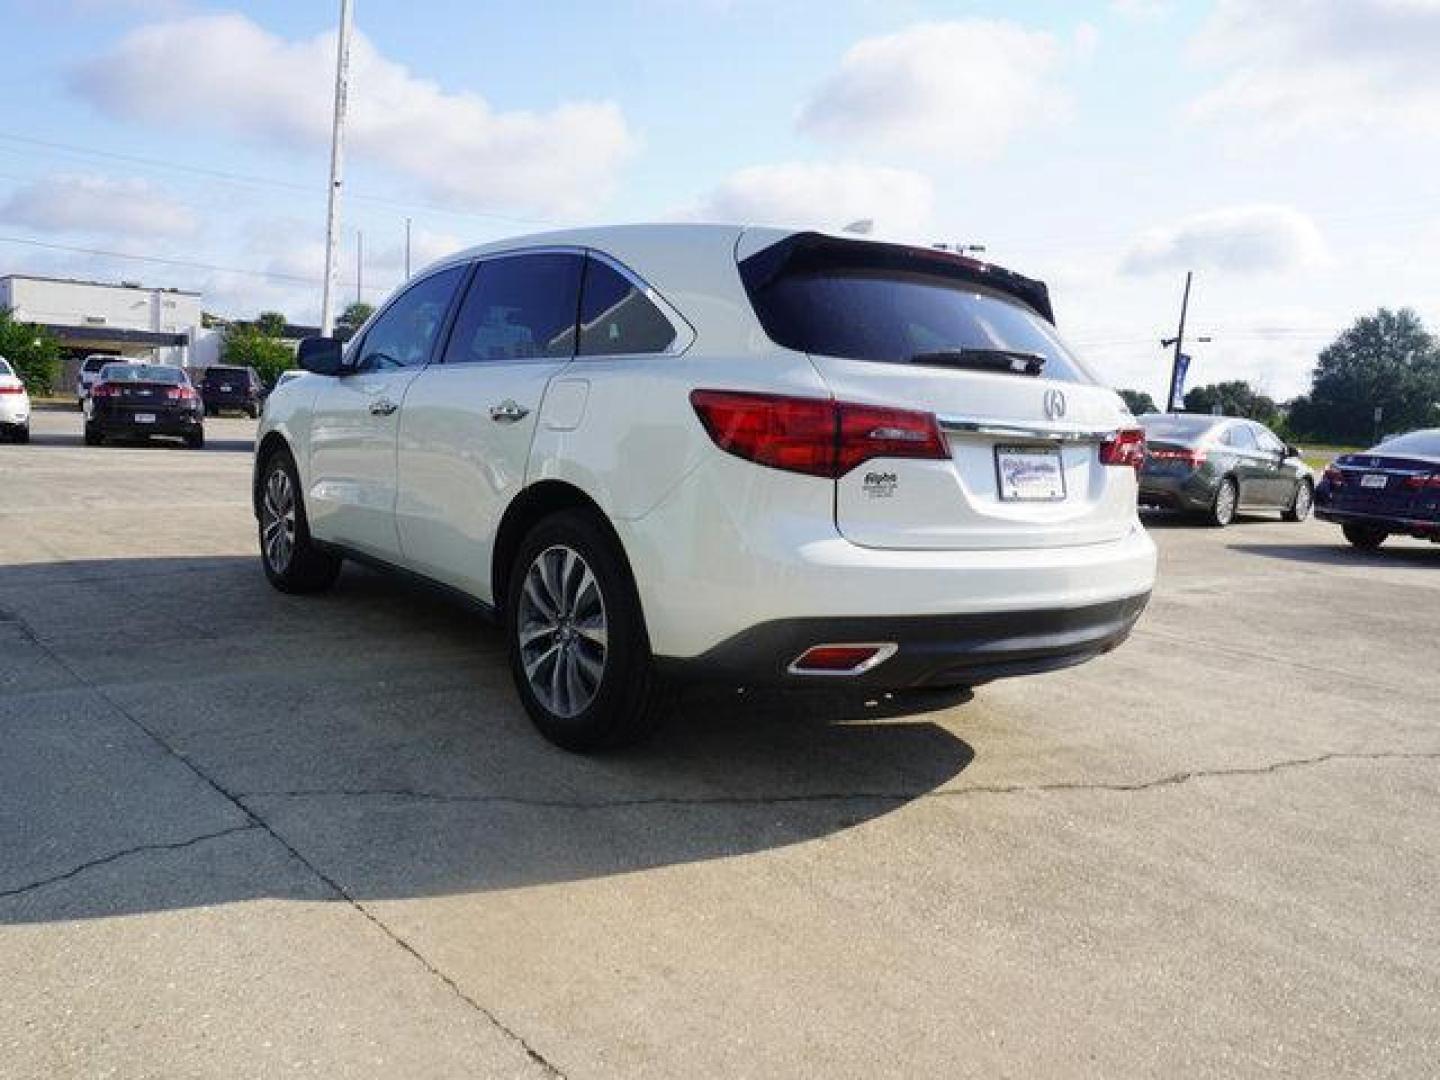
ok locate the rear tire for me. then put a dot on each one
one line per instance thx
(1302, 504)
(1227, 499)
(22, 435)
(92, 436)
(579, 651)
(252, 412)
(196, 441)
(1365, 537)
(293, 562)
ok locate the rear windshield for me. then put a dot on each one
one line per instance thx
(1176, 426)
(886, 304)
(225, 374)
(151, 373)
(95, 363)
(1424, 443)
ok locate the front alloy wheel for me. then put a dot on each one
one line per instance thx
(277, 521)
(1227, 499)
(1303, 504)
(292, 561)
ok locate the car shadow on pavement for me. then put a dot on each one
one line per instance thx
(1341, 553)
(67, 441)
(371, 736)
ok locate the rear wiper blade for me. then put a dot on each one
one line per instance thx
(1013, 360)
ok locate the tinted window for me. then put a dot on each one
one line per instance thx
(1424, 443)
(1239, 436)
(1176, 426)
(403, 335)
(95, 363)
(518, 308)
(617, 318)
(226, 374)
(876, 302)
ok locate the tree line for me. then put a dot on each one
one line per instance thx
(1386, 361)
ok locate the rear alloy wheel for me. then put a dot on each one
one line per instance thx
(1302, 504)
(1365, 537)
(292, 561)
(579, 653)
(1222, 511)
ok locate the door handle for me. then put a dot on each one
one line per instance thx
(382, 407)
(508, 411)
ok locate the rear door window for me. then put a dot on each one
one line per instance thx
(893, 305)
(518, 307)
(617, 318)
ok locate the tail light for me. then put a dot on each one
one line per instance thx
(1333, 476)
(1193, 458)
(8, 389)
(180, 393)
(815, 436)
(104, 389)
(1423, 482)
(1125, 447)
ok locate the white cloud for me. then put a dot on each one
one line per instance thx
(959, 89)
(225, 71)
(1146, 10)
(98, 204)
(1337, 66)
(830, 196)
(1238, 239)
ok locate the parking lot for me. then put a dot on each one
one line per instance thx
(247, 834)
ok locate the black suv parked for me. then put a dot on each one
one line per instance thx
(232, 388)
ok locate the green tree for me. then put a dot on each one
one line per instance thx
(1138, 401)
(249, 346)
(271, 323)
(33, 352)
(1234, 398)
(1388, 361)
(354, 315)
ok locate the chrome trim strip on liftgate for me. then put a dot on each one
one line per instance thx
(969, 425)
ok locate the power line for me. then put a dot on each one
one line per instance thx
(183, 263)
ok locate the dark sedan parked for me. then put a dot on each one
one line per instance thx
(140, 400)
(1219, 465)
(1391, 489)
(232, 388)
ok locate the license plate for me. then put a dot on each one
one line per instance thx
(144, 417)
(224, 389)
(1030, 473)
(1373, 480)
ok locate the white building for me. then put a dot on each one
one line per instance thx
(127, 319)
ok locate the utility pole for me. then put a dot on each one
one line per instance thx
(407, 249)
(337, 168)
(359, 266)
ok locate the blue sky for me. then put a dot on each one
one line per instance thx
(1283, 152)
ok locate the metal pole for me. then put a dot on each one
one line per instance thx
(359, 266)
(337, 163)
(407, 249)
(1179, 345)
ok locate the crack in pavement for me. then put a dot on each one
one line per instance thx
(126, 853)
(1168, 780)
(255, 821)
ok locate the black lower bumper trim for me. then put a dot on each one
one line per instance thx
(934, 650)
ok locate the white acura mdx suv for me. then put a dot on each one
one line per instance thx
(755, 455)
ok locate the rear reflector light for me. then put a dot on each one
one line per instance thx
(1126, 447)
(815, 436)
(1334, 476)
(1420, 482)
(842, 659)
(1189, 457)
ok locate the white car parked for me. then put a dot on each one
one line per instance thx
(14, 405)
(89, 373)
(763, 456)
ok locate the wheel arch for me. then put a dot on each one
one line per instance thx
(272, 442)
(536, 502)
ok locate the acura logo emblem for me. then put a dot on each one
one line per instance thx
(1055, 404)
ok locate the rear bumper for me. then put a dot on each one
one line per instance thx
(1176, 492)
(931, 650)
(164, 424)
(1425, 528)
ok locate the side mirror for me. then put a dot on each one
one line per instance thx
(321, 355)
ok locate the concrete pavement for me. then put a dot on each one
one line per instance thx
(244, 834)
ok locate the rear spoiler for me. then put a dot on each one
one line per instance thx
(814, 251)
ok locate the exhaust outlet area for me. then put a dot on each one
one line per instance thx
(831, 659)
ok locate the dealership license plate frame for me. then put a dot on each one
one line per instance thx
(1013, 484)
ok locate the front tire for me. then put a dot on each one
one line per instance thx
(579, 651)
(1227, 499)
(1302, 504)
(293, 562)
(1365, 537)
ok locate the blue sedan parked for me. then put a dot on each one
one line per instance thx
(1391, 489)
